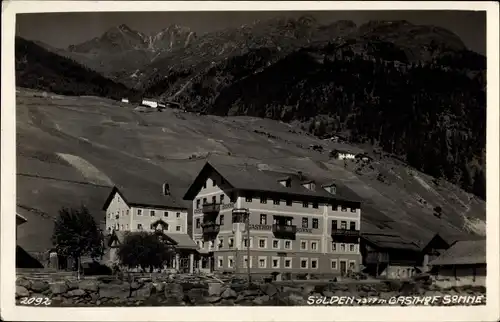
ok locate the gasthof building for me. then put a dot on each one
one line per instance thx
(298, 225)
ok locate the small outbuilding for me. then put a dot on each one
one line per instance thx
(464, 263)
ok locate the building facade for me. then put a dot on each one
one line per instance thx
(295, 225)
(149, 102)
(132, 211)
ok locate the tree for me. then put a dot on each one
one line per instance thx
(76, 234)
(145, 249)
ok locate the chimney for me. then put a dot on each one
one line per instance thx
(166, 189)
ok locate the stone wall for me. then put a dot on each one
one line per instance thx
(186, 290)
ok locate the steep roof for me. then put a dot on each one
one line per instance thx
(251, 178)
(182, 241)
(145, 198)
(464, 252)
(390, 241)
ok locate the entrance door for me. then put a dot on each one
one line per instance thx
(343, 268)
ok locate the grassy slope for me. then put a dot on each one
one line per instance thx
(143, 150)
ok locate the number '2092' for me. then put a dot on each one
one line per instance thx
(35, 301)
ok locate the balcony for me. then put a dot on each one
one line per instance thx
(345, 235)
(210, 228)
(210, 208)
(284, 230)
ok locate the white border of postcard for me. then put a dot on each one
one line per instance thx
(10, 312)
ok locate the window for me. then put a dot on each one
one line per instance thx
(314, 263)
(315, 205)
(214, 183)
(230, 262)
(305, 222)
(305, 204)
(288, 263)
(166, 227)
(276, 201)
(126, 226)
(288, 244)
(198, 223)
(303, 245)
(353, 209)
(245, 242)
(315, 223)
(139, 212)
(221, 243)
(248, 198)
(204, 201)
(275, 263)
(288, 202)
(220, 261)
(262, 243)
(334, 247)
(344, 209)
(343, 225)
(303, 263)
(314, 245)
(205, 185)
(221, 198)
(263, 199)
(333, 264)
(263, 219)
(152, 213)
(230, 242)
(165, 214)
(214, 199)
(221, 220)
(245, 261)
(178, 215)
(262, 262)
(139, 226)
(342, 247)
(178, 228)
(198, 202)
(334, 225)
(352, 225)
(335, 207)
(276, 244)
(352, 247)
(352, 265)
(127, 212)
(233, 197)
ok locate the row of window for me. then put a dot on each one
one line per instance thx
(305, 263)
(305, 245)
(214, 183)
(305, 222)
(152, 213)
(125, 227)
(264, 199)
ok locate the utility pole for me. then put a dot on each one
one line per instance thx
(247, 215)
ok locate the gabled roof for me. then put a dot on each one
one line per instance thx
(390, 242)
(118, 236)
(145, 198)
(20, 219)
(251, 178)
(464, 252)
(450, 239)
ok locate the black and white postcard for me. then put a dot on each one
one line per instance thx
(249, 161)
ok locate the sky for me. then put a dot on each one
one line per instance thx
(63, 29)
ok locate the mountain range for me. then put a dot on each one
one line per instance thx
(415, 91)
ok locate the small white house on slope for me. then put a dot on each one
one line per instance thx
(125, 100)
(343, 154)
(149, 102)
